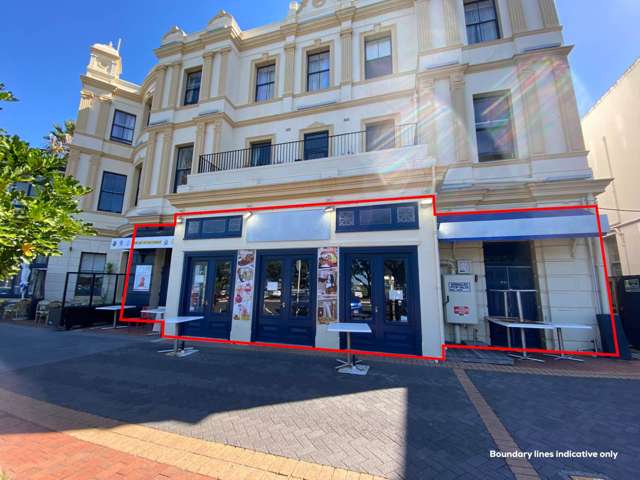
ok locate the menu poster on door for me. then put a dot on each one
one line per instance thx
(245, 275)
(142, 278)
(327, 285)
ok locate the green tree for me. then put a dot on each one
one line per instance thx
(38, 202)
(6, 96)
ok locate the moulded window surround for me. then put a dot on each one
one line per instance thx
(482, 21)
(380, 133)
(494, 125)
(192, 81)
(123, 127)
(318, 67)
(264, 83)
(313, 143)
(374, 61)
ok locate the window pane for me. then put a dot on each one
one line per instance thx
(260, 154)
(375, 216)
(300, 288)
(380, 136)
(318, 62)
(198, 286)
(272, 288)
(489, 31)
(360, 280)
(316, 145)
(471, 13)
(214, 225)
(379, 67)
(384, 47)
(486, 11)
(395, 291)
(222, 288)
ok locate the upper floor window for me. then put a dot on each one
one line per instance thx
(316, 145)
(147, 112)
(112, 192)
(123, 127)
(138, 174)
(318, 71)
(183, 166)
(378, 57)
(481, 19)
(265, 82)
(192, 87)
(380, 135)
(494, 127)
(261, 153)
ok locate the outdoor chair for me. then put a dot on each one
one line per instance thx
(17, 311)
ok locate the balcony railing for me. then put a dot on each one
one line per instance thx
(314, 146)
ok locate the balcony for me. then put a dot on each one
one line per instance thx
(315, 146)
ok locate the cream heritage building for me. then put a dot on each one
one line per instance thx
(345, 101)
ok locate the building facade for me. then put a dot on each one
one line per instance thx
(613, 148)
(362, 108)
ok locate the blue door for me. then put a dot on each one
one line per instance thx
(380, 287)
(285, 297)
(208, 293)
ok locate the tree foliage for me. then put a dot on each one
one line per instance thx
(38, 202)
(6, 96)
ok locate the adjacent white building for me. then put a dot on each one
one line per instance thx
(354, 105)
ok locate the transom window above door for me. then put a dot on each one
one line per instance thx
(318, 71)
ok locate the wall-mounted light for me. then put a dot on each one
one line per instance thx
(329, 209)
(426, 201)
(179, 220)
(248, 215)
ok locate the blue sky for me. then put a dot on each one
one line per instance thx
(46, 46)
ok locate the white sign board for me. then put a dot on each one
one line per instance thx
(142, 242)
(142, 278)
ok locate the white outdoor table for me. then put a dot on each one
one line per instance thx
(115, 309)
(514, 323)
(350, 366)
(158, 313)
(183, 352)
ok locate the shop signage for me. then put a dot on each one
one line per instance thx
(327, 285)
(142, 242)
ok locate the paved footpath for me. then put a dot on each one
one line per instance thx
(99, 406)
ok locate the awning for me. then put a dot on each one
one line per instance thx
(521, 225)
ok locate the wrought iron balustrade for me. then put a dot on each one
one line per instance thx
(314, 146)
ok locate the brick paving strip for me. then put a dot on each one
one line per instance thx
(520, 467)
(211, 459)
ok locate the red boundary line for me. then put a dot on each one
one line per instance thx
(444, 347)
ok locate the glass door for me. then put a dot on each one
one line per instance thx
(286, 298)
(381, 290)
(208, 294)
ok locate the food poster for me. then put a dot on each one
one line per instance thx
(142, 278)
(245, 280)
(327, 285)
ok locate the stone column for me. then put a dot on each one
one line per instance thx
(174, 101)
(452, 30)
(147, 166)
(568, 105)
(531, 103)
(289, 68)
(516, 15)
(72, 162)
(198, 147)
(424, 25)
(222, 79)
(103, 117)
(207, 72)
(89, 200)
(165, 162)
(86, 101)
(549, 13)
(458, 101)
(427, 126)
(157, 103)
(346, 54)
